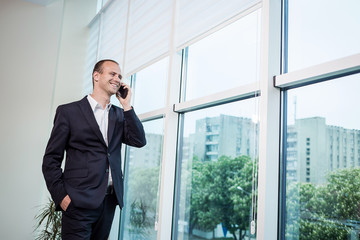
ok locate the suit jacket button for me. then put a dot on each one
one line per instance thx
(107, 170)
(108, 154)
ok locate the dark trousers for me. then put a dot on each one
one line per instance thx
(89, 224)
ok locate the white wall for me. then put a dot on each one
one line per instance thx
(42, 54)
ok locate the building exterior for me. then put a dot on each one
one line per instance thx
(315, 149)
(150, 155)
(224, 135)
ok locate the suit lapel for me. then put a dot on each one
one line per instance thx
(89, 116)
(111, 123)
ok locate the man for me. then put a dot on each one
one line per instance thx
(91, 132)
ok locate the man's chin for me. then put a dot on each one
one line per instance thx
(112, 91)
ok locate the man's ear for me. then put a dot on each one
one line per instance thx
(96, 76)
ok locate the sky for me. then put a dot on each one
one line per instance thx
(336, 100)
(322, 31)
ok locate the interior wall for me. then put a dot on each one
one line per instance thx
(42, 57)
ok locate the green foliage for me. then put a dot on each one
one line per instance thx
(48, 223)
(143, 196)
(329, 211)
(145, 186)
(139, 218)
(215, 196)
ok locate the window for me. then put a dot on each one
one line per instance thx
(218, 140)
(321, 31)
(216, 180)
(224, 60)
(142, 176)
(150, 87)
(322, 202)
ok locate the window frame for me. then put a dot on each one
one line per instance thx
(315, 74)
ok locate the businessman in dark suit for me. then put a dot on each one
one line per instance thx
(91, 132)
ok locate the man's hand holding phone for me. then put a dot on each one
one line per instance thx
(123, 91)
(124, 95)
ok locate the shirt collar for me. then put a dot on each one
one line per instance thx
(94, 104)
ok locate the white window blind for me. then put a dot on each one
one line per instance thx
(91, 58)
(138, 32)
(195, 17)
(149, 31)
(113, 31)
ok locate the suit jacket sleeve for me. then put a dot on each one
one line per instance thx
(54, 155)
(134, 134)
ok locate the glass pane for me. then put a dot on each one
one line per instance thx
(150, 87)
(321, 31)
(323, 161)
(216, 183)
(226, 59)
(142, 176)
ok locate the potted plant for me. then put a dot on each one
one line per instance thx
(48, 223)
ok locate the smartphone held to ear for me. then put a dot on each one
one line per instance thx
(123, 91)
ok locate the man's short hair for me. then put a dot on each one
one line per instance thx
(99, 67)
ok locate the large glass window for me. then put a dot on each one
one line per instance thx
(321, 31)
(150, 87)
(142, 176)
(226, 59)
(323, 161)
(216, 172)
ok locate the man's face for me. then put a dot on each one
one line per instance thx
(109, 79)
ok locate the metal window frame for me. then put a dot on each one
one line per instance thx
(172, 114)
(273, 96)
(223, 97)
(315, 74)
(319, 73)
(269, 135)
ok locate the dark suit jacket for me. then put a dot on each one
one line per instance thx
(85, 176)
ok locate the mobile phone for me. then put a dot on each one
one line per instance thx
(123, 91)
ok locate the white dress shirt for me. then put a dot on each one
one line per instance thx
(102, 119)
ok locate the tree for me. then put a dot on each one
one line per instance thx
(215, 194)
(143, 197)
(201, 214)
(329, 211)
(242, 195)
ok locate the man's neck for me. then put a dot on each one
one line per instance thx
(103, 100)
